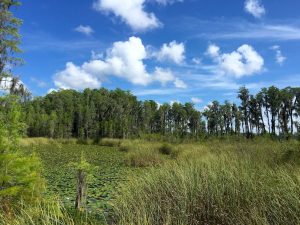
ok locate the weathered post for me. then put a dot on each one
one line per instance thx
(81, 190)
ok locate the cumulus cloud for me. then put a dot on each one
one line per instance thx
(86, 30)
(196, 100)
(123, 60)
(172, 52)
(255, 8)
(245, 61)
(74, 77)
(213, 51)
(132, 12)
(280, 59)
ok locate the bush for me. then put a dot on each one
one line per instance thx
(110, 142)
(85, 141)
(214, 190)
(166, 149)
(20, 173)
(124, 147)
(291, 154)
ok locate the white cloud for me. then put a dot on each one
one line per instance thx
(255, 8)
(5, 84)
(213, 50)
(87, 30)
(123, 60)
(180, 84)
(74, 77)
(245, 61)
(132, 12)
(163, 75)
(280, 59)
(197, 61)
(172, 52)
(196, 100)
(282, 30)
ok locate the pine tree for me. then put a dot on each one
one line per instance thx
(19, 173)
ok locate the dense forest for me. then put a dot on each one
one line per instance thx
(118, 114)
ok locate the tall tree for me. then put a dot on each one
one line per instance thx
(9, 47)
(274, 102)
(243, 94)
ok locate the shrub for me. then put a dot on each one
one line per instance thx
(124, 147)
(20, 173)
(166, 149)
(110, 142)
(216, 190)
(85, 141)
(291, 154)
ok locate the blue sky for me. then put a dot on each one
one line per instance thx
(165, 50)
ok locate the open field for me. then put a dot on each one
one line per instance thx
(211, 182)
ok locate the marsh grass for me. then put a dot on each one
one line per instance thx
(110, 142)
(248, 183)
(143, 153)
(229, 181)
(47, 212)
(145, 158)
(26, 142)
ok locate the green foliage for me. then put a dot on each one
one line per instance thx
(85, 167)
(9, 33)
(9, 42)
(166, 149)
(19, 173)
(124, 147)
(109, 142)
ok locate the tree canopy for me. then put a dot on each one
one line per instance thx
(118, 114)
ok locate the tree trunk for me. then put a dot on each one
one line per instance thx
(81, 190)
(267, 113)
(292, 121)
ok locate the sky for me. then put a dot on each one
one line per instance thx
(164, 50)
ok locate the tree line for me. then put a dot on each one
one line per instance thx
(103, 113)
(271, 110)
(94, 114)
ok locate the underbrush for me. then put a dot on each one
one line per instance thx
(110, 142)
(225, 189)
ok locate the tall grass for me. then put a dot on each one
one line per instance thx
(43, 212)
(49, 211)
(224, 189)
